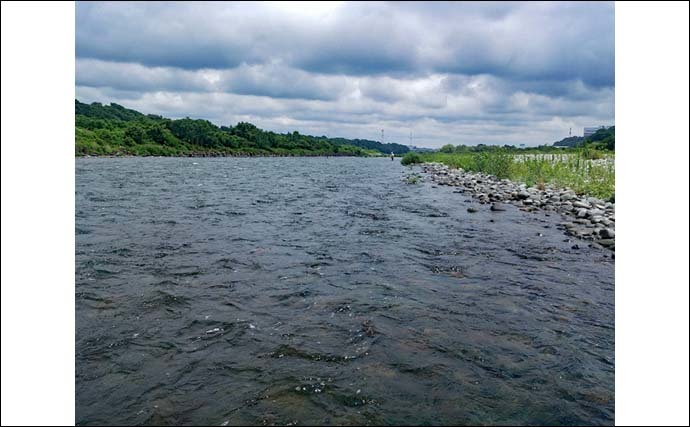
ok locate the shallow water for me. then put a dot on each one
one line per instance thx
(328, 291)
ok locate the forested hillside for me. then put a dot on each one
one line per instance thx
(116, 130)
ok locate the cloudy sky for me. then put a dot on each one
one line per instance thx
(460, 73)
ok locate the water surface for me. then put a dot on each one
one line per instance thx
(328, 291)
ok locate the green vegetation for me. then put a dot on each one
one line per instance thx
(574, 169)
(602, 139)
(397, 149)
(411, 158)
(571, 141)
(116, 130)
(585, 165)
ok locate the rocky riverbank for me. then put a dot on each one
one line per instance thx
(585, 218)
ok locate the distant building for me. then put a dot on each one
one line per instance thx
(591, 130)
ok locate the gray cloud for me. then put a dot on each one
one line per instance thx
(445, 71)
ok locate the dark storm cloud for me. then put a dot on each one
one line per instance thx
(413, 65)
(541, 41)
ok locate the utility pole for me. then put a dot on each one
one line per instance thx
(570, 132)
(381, 136)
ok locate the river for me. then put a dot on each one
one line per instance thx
(328, 291)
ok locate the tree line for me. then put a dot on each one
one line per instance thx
(116, 130)
(603, 139)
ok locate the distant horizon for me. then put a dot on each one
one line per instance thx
(337, 136)
(461, 73)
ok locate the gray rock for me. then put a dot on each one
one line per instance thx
(580, 204)
(609, 243)
(497, 207)
(607, 233)
(522, 195)
(582, 212)
(472, 210)
(596, 218)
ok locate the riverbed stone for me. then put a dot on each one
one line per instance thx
(607, 242)
(522, 195)
(607, 233)
(596, 218)
(498, 207)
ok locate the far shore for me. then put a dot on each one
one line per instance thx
(231, 155)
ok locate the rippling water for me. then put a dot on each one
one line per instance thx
(328, 291)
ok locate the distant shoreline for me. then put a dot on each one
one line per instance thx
(197, 155)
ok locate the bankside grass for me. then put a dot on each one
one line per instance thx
(411, 158)
(576, 171)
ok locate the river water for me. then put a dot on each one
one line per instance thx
(328, 291)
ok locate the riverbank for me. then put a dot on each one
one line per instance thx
(587, 218)
(584, 171)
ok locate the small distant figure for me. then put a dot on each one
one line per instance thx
(392, 156)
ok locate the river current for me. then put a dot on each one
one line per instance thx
(228, 291)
